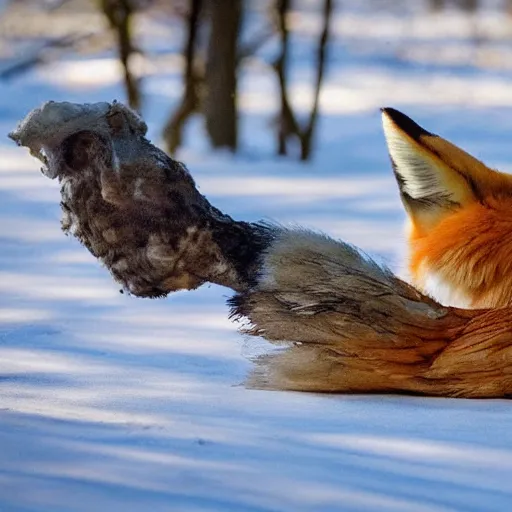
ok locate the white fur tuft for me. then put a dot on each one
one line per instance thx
(437, 288)
(422, 177)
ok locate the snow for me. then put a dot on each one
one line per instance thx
(110, 403)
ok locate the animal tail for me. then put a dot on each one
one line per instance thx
(350, 325)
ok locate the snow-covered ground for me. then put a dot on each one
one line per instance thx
(111, 403)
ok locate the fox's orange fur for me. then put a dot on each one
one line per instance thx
(471, 252)
(461, 225)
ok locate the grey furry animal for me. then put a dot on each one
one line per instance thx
(137, 210)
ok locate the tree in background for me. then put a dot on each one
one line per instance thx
(192, 82)
(120, 14)
(289, 126)
(212, 63)
(211, 74)
(221, 91)
(468, 5)
(213, 91)
(214, 51)
(211, 88)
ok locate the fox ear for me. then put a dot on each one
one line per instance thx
(433, 175)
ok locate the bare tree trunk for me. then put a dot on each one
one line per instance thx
(194, 77)
(286, 124)
(468, 5)
(220, 102)
(120, 15)
(436, 5)
(191, 83)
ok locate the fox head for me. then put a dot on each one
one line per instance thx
(460, 214)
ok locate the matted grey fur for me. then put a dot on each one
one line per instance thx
(134, 207)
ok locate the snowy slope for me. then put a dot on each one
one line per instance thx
(114, 403)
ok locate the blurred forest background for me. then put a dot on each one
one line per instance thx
(218, 38)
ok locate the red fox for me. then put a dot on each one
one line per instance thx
(358, 328)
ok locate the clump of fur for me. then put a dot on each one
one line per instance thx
(349, 325)
(136, 209)
(351, 321)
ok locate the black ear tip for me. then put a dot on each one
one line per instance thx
(396, 116)
(405, 123)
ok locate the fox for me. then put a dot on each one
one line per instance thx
(341, 323)
(356, 327)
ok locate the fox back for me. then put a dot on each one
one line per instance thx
(460, 217)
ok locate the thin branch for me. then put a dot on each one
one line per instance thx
(120, 15)
(287, 122)
(38, 57)
(191, 81)
(307, 134)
